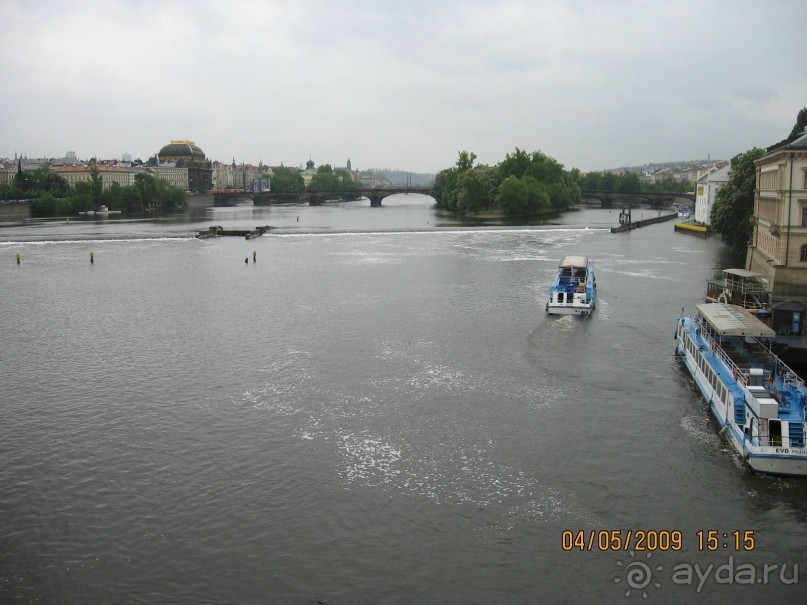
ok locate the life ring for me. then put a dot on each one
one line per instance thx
(723, 298)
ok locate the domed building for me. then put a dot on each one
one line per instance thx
(185, 154)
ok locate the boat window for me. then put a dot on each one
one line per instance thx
(775, 431)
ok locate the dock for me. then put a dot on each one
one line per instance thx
(629, 224)
(245, 233)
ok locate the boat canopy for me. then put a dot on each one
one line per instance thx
(574, 261)
(743, 273)
(731, 320)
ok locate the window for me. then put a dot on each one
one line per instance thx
(803, 256)
(804, 216)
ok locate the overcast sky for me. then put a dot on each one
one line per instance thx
(405, 85)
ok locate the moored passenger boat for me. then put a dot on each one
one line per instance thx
(758, 400)
(742, 288)
(574, 289)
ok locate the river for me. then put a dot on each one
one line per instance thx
(376, 409)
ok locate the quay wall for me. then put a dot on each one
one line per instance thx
(14, 211)
(201, 200)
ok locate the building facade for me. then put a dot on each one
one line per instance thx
(175, 176)
(185, 154)
(238, 176)
(778, 249)
(108, 174)
(705, 191)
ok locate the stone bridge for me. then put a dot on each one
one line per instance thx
(609, 198)
(314, 198)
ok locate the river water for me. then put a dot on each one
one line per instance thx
(377, 409)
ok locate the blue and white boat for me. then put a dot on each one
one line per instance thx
(758, 400)
(574, 289)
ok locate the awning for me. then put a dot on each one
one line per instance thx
(731, 320)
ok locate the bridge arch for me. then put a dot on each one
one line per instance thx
(609, 198)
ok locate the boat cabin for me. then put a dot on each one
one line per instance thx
(739, 287)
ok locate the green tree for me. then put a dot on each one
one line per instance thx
(80, 198)
(148, 190)
(629, 183)
(96, 187)
(445, 188)
(112, 197)
(45, 205)
(512, 198)
(323, 179)
(801, 124)
(515, 165)
(539, 196)
(287, 179)
(592, 182)
(608, 182)
(465, 161)
(131, 199)
(734, 202)
(473, 189)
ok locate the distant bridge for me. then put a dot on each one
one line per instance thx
(229, 197)
(608, 198)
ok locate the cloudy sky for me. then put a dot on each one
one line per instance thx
(407, 85)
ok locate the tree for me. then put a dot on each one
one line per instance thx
(80, 198)
(801, 124)
(608, 182)
(96, 187)
(323, 179)
(466, 161)
(131, 199)
(629, 183)
(512, 198)
(734, 202)
(148, 190)
(592, 182)
(515, 165)
(473, 190)
(539, 196)
(287, 179)
(445, 188)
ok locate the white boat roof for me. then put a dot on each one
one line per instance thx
(574, 261)
(743, 273)
(731, 320)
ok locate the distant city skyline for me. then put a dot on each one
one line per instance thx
(128, 157)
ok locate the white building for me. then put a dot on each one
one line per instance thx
(705, 191)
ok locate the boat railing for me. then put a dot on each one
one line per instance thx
(788, 377)
(718, 350)
(765, 440)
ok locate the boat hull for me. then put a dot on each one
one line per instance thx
(568, 310)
